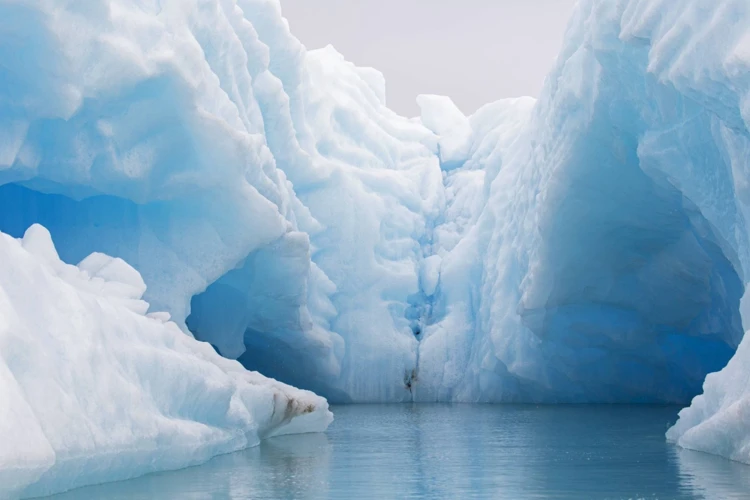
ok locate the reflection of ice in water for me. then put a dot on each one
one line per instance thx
(711, 478)
(498, 452)
(280, 468)
(291, 467)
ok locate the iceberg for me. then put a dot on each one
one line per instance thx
(271, 201)
(95, 390)
(717, 421)
(609, 262)
(588, 246)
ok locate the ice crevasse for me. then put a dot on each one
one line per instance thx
(590, 246)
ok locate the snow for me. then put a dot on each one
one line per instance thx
(591, 246)
(92, 390)
(442, 116)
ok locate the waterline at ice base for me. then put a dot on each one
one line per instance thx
(190, 199)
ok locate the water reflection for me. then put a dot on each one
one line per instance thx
(283, 467)
(458, 451)
(707, 477)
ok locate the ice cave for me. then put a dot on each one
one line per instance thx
(188, 196)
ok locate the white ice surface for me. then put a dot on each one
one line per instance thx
(591, 246)
(91, 390)
(202, 144)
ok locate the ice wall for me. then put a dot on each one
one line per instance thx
(372, 182)
(95, 390)
(610, 260)
(267, 195)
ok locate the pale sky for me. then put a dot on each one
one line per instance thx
(475, 51)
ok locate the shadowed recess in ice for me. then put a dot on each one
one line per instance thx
(591, 246)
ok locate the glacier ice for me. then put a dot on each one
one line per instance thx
(610, 260)
(718, 421)
(603, 269)
(230, 151)
(591, 246)
(92, 390)
(454, 132)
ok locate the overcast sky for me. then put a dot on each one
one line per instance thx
(475, 51)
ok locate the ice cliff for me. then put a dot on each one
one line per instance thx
(590, 246)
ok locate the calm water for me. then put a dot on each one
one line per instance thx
(458, 452)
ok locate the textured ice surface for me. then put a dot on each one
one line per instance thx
(455, 135)
(591, 246)
(92, 390)
(609, 260)
(271, 201)
(611, 257)
(718, 421)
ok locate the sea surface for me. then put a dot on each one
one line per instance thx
(458, 452)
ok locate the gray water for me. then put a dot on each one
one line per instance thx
(458, 452)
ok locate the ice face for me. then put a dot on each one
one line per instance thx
(588, 247)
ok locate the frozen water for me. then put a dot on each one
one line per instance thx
(610, 258)
(453, 129)
(588, 247)
(271, 201)
(92, 390)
